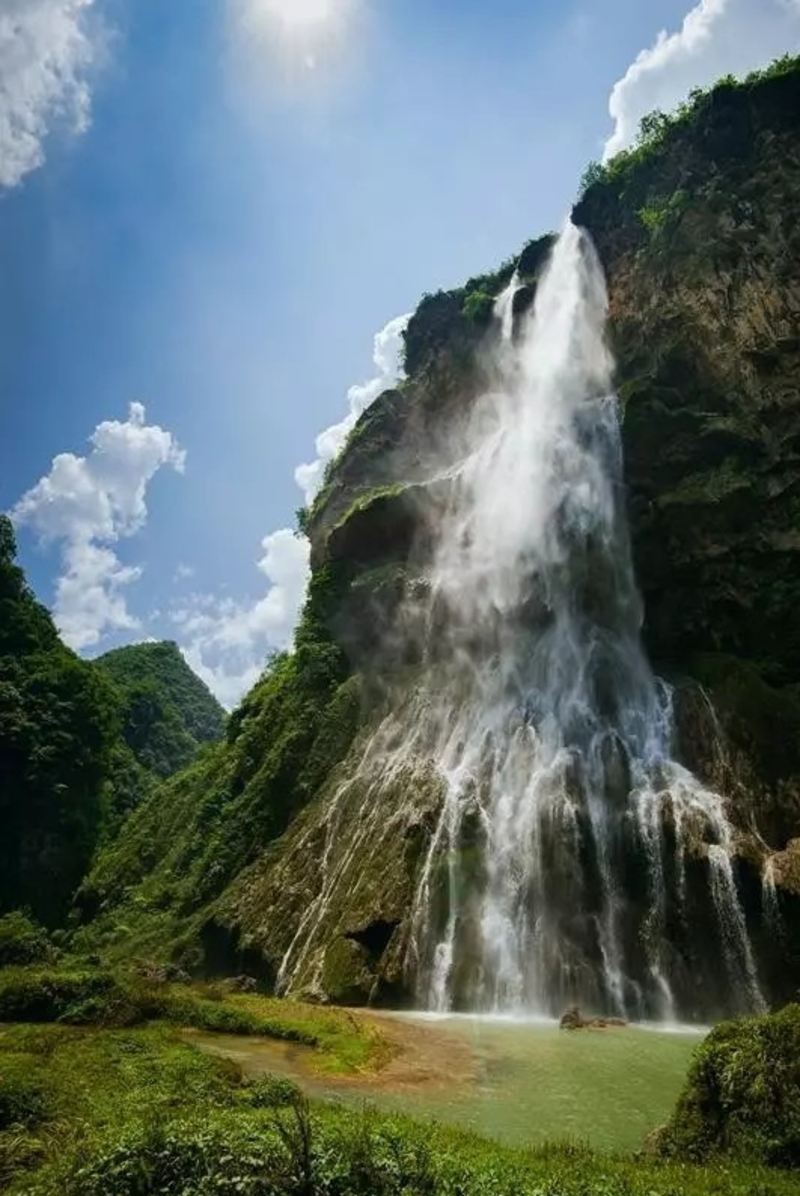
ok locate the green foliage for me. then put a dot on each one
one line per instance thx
(168, 712)
(22, 941)
(594, 173)
(742, 1096)
(270, 1092)
(653, 219)
(658, 217)
(478, 307)
(81, 997)
(25, 625)
(167, 717)
(22, 1101)
(186, 842)
(58, 723)
(659, 129)
(141, 1113)
(90, 996)
(303, 519)
(710, 486)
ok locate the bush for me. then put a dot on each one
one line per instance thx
(87, 997)
(742, 1095)
(22, 1102)
(271, 1092)
(22, 940)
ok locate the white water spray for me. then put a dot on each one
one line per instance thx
(542, 712)
(557, 865)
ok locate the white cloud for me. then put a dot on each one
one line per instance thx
(226, 642)
(717, 37)
(388, 357)
(46, 53)
(88, 503)
(183, 572)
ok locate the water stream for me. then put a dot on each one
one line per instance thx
(572, 858)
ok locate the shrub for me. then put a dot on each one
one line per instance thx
(742, 1095)
(22, 940)
(22, 1101)
(271, 1092)
(478, 307)
(87, 997)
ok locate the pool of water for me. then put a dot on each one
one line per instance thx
(520, 1080)
(536, 1083)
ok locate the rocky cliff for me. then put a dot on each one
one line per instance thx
(278, 851)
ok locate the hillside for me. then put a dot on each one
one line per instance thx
(57, 732)
(81, 743)
(284, 851)
(168, 712)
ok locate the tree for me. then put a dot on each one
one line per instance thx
(58, 723)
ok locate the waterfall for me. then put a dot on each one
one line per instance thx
(568, 856)
(540, 709)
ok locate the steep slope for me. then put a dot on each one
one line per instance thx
(168, 712)
(696, 230)
(57, 731)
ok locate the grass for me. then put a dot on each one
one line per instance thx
(137, 1112)
(339, 1043)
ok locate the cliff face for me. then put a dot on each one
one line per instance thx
(698, 235)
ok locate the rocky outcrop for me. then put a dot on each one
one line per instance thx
(701, 248)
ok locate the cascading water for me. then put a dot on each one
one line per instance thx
(558, 865)
(542, 713)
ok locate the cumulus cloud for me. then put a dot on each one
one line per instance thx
(86, 504)
(388, 357)
(226, 642)
(46, 53)
(716, 38)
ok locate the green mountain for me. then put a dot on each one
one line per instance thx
(168, 712)
(279, 845)
(81, 743)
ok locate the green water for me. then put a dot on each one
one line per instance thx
(532, 1082)
(538, 1083)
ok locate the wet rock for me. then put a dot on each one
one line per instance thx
(240, 984)
(573, 1020)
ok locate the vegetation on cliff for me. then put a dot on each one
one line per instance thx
(188, 840)
(81, 743)
(58, 723)
(167, 716)
(168, 713)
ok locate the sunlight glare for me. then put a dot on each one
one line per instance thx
(301, 14)
(297, 41)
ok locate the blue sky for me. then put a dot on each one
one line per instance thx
(224, 236)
